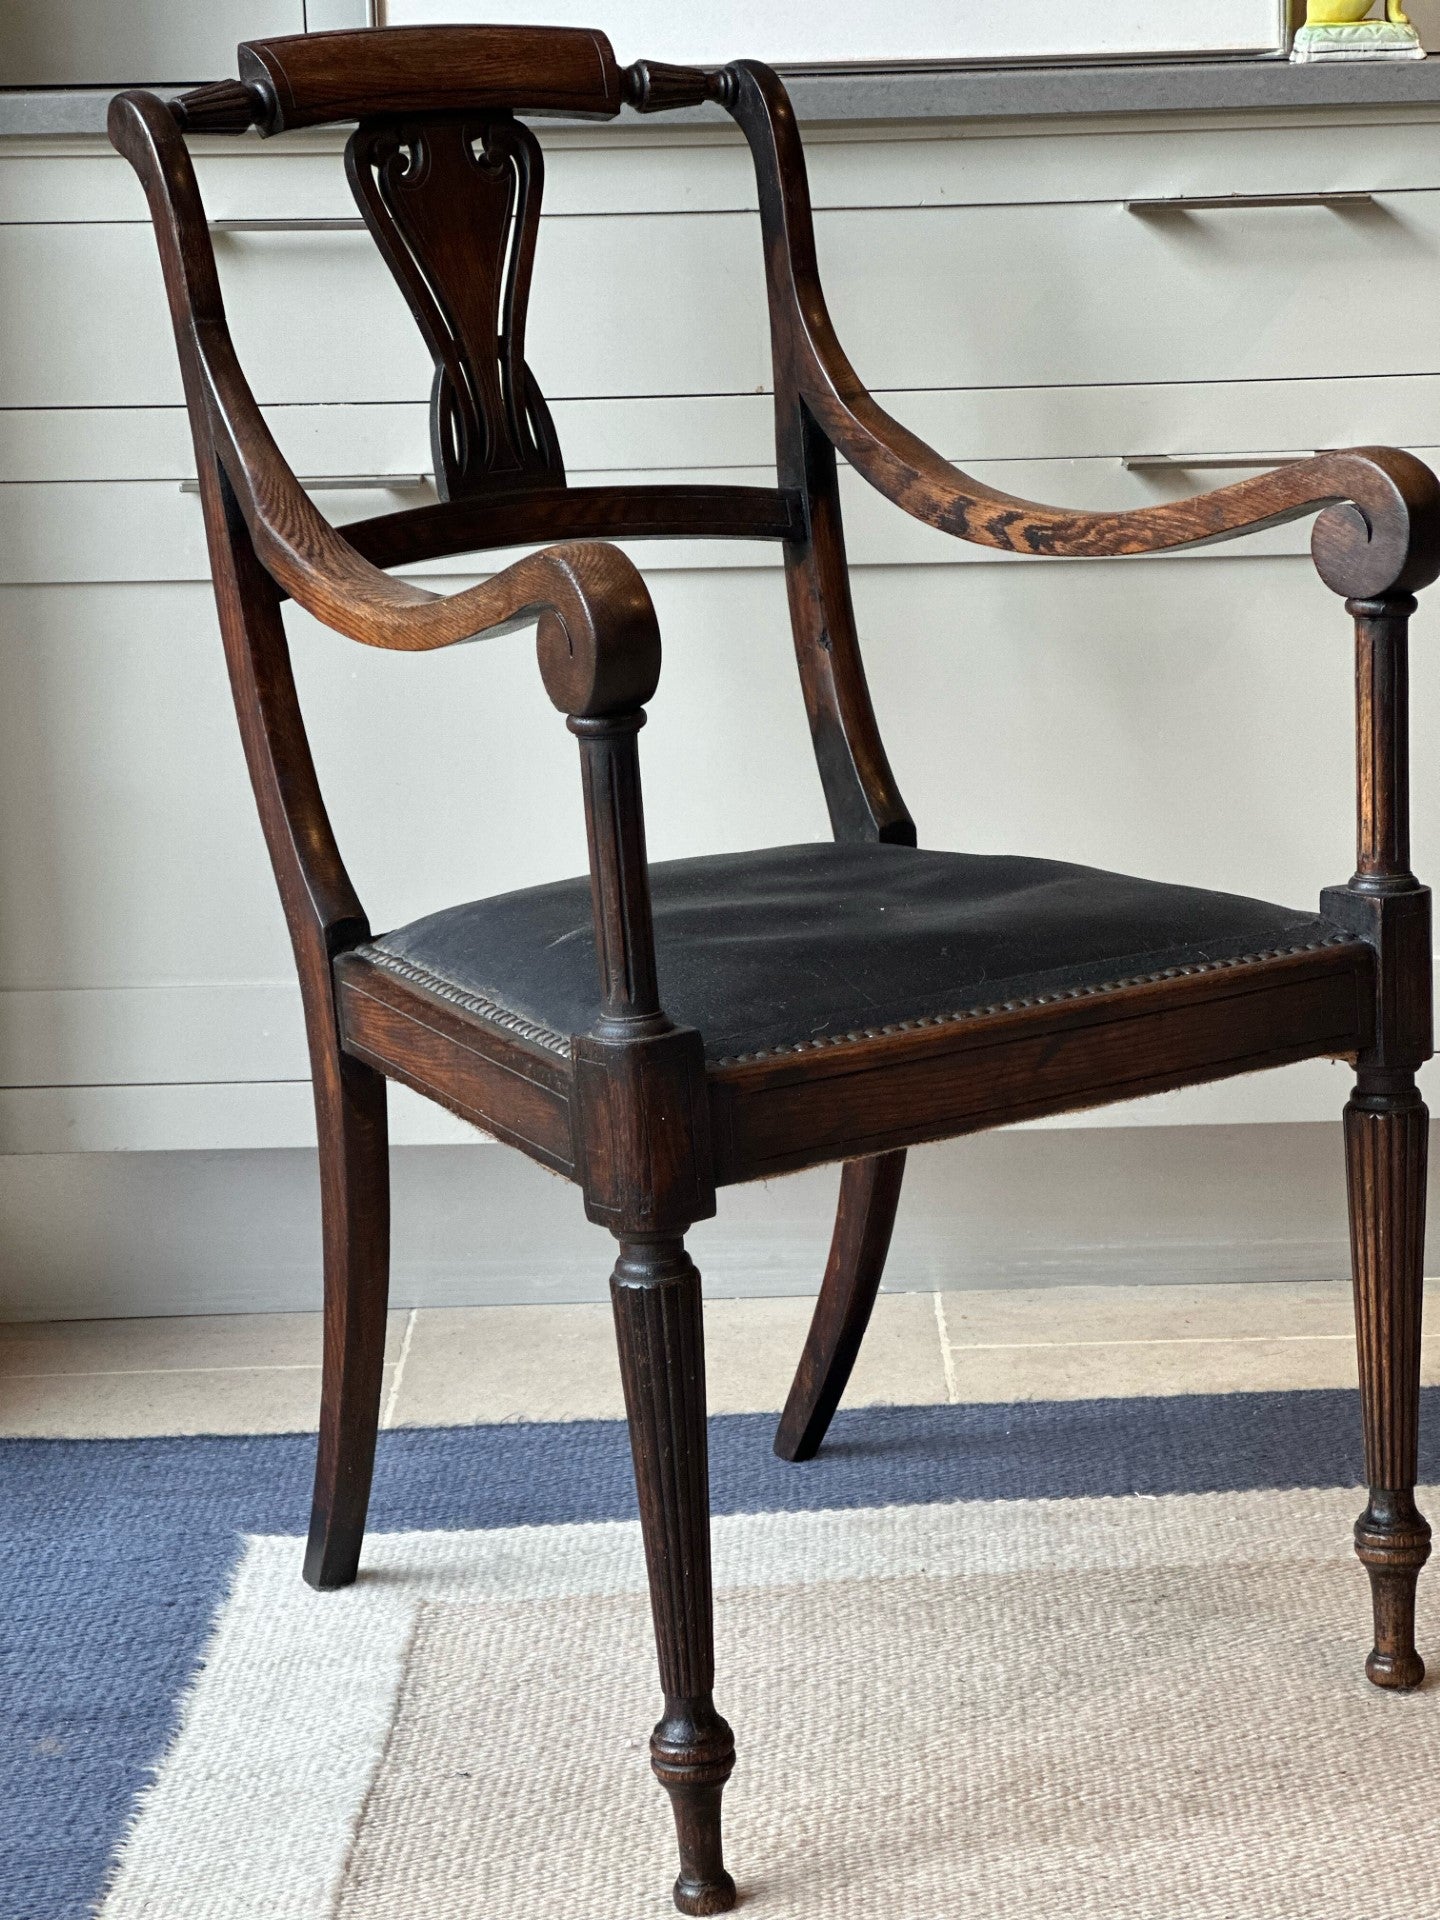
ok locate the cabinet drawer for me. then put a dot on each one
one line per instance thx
(660, 434)
(668, 167)
(316, 316)
(1060, 295)
(1049, 295)
(94, 495)
(1117, 160)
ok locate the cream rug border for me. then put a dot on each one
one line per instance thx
(253, 1811)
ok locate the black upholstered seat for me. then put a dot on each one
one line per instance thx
(767, 950)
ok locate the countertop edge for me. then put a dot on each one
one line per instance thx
(878, 95)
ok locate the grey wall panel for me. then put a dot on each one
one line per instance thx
(99, 1234)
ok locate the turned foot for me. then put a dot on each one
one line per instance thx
(692, 1752)
(1393, 1542)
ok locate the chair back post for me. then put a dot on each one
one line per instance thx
(322, 909)
(861, 791)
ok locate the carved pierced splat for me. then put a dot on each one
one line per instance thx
(453, 201)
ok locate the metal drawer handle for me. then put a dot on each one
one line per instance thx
(1220, 202)
(1209, 462)
(299, 224)
(347, 482)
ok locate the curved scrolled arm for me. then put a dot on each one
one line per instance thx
(598, 640)
(1378, 531)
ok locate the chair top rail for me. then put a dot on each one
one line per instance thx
(316, 79)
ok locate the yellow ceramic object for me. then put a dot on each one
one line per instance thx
(1345, 13)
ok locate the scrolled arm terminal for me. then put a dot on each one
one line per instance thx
(1378, 531)
(598, 640)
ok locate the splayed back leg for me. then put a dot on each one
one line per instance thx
(864, 1220)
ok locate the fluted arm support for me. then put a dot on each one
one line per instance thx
(1378, 530)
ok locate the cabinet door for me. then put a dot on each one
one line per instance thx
(103, 43)
(847, 31)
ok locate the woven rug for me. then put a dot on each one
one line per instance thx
(1093, 1659)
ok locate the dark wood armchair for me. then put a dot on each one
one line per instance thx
(655, 1033)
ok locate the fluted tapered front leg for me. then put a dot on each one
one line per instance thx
(1386, 1128)
(658, 1324)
